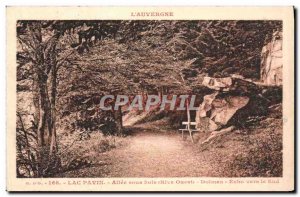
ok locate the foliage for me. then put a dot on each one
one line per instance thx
(64, 67)
(262, 160)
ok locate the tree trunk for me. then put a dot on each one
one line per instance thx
(53, 161)
(45, 63)
(119, 122)
(42, 125)
(53, 143)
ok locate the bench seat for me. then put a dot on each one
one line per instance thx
(191, 123)
(190, 130)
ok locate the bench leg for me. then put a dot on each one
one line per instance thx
(182, 132)
(191, 135)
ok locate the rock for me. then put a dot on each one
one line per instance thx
(216, 134)
(225, 108)
(223, 84)
(271, 61)
(206, 106)
(230, 84)
(217, 109)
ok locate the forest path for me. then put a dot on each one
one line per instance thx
(154, 153)
(150, 151)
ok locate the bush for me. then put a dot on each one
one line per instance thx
(262, 160)
(106, 145)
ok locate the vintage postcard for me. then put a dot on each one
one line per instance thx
(150, 99)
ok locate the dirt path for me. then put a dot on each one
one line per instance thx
(149, 153)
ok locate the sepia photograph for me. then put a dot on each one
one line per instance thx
(140, 98)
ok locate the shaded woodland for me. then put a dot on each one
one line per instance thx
(65, 67)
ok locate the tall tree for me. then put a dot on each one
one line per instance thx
(47, 45)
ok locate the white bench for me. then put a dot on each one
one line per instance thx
(189, 129)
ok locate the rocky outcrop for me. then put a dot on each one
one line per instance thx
(230, 96)
(271, 61)
(230, 84)
(217, 109)
(223, 84)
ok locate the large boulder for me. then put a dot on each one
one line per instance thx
(223, 84)
(230, 84)
(232, 101)
(271, 61)
(217, 109)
